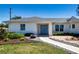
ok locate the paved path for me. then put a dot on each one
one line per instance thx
(60, 44)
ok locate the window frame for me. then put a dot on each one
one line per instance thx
(59, 29)
(73, 27)
(22, 27)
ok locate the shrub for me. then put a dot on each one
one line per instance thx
(69, 34)
(1, 37)
(2, 32)
(28, 34)
(14, 35)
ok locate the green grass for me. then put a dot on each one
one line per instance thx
(30, 48)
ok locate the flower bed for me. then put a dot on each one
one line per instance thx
(67, 39)
(14, 41)
(13, 38)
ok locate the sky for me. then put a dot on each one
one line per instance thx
(39, 10)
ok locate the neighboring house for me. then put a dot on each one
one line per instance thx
(44, 26)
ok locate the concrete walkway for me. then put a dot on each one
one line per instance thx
(60, 44)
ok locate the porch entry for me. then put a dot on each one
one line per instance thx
(43, 29)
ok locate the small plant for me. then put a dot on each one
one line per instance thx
(22, 39)
(32, 36)
(58, 33)
(6, 39)
(28, 34)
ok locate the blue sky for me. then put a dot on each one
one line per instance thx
(40, 10)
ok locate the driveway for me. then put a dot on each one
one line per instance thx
(60, 44)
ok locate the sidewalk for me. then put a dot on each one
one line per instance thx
(60, 44)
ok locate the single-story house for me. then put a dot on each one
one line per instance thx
(44, 26)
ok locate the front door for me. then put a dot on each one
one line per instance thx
(43, 29)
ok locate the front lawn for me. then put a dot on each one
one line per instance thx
(30, 48)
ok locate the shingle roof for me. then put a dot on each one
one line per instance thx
(73, 19)
(33, 19)
(41, 19)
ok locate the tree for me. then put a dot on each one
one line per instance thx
(16, 17)
(2, 31)
(2, 25)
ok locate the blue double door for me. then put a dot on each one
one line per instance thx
(44, 29)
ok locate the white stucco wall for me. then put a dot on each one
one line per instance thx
(76, 29)
(68, 27)
(32, 27)
(29, 28)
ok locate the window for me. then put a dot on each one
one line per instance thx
(56, 27)
(22, 26)
(61, 27)
(73, 26)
